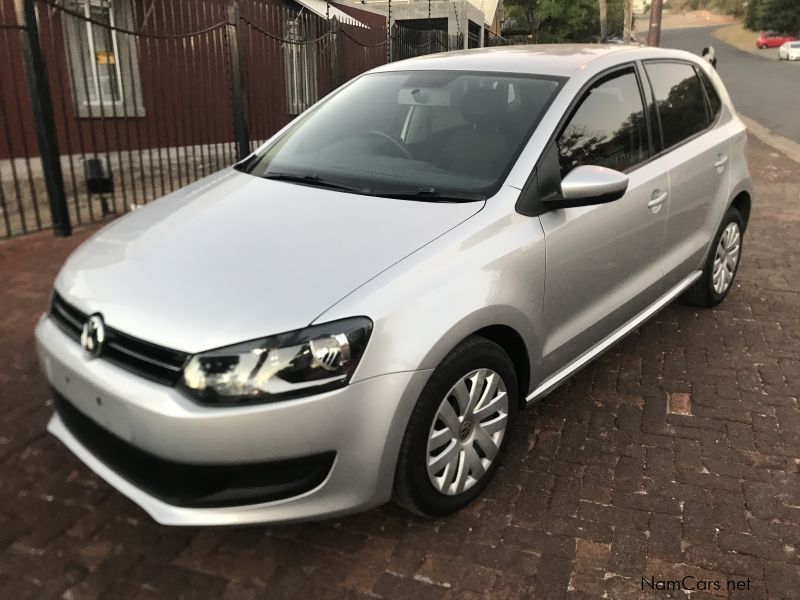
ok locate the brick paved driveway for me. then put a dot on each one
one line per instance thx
(675, 454)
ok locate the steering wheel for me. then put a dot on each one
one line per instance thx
(386, 137)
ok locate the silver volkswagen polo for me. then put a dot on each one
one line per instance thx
(358, 310)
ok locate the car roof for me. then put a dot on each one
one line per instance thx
(540, 59)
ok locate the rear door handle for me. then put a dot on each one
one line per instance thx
(722, 160)
(657, 198)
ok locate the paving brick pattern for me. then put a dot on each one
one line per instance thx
(676, 454)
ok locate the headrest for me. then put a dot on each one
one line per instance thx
(483, 104)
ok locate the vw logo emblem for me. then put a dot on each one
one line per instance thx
(93, 336)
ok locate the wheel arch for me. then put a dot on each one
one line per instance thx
(504, 325)
(743, 203)
(512, 342)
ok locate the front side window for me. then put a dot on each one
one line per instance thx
(680, 100)
(435, 131)
(609, 127)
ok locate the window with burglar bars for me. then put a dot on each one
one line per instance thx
(103, 65)
(300, 65)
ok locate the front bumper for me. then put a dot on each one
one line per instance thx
(362, 424)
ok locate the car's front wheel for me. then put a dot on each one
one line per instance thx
(721, 265)
(458, 430)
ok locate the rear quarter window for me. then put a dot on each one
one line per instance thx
(715, 104)
(680, 100)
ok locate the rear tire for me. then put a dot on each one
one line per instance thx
(450, 452)
(722, 264)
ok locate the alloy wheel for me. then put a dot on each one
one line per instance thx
(467, 431)
(726, 258)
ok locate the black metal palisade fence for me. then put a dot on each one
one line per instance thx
(108, 104)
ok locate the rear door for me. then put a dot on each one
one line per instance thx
(603, 261)
(696, 155)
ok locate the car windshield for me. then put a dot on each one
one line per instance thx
(427, 135)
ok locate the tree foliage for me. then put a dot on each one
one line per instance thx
(773, 15)
(559, 21)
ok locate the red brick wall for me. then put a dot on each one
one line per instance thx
(185, 81)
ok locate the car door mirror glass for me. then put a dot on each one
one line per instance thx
(591, 184)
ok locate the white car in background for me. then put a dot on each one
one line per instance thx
(789, 51)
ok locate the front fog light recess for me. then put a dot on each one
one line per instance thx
(298, 363)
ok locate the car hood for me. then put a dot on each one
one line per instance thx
(234, 257)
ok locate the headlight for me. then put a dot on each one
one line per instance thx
(299, 363)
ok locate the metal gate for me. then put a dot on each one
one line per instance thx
(23, 200)
(108, 104)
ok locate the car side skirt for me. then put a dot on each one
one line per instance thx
(564, 373)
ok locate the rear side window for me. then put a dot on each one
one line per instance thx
(680, 100)
(715, 104)
(608, 128)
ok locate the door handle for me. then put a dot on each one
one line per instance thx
(657, 198)
(722, 160)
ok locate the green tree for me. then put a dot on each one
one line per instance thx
(755, 14)
(774, 15)
(527, 14)
(782, 16)
(559, 21)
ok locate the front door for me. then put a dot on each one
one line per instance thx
(604, 261)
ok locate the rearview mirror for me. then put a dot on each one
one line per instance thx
(589, 184)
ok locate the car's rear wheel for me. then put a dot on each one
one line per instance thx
(458, 430)
(721, 265)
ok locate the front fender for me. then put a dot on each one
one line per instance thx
(487, 271)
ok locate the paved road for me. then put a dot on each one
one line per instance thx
(763, 89)
(674, 455)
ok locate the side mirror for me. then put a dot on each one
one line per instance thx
(588, 185)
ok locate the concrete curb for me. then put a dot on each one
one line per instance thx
(785, 145)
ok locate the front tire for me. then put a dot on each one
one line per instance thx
(458, 430)
(722, 263)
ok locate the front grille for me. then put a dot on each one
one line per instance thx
(195, 485)
(153, 362)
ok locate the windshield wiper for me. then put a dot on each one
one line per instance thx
(428, 195)
(422, 194)
(313, 180)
